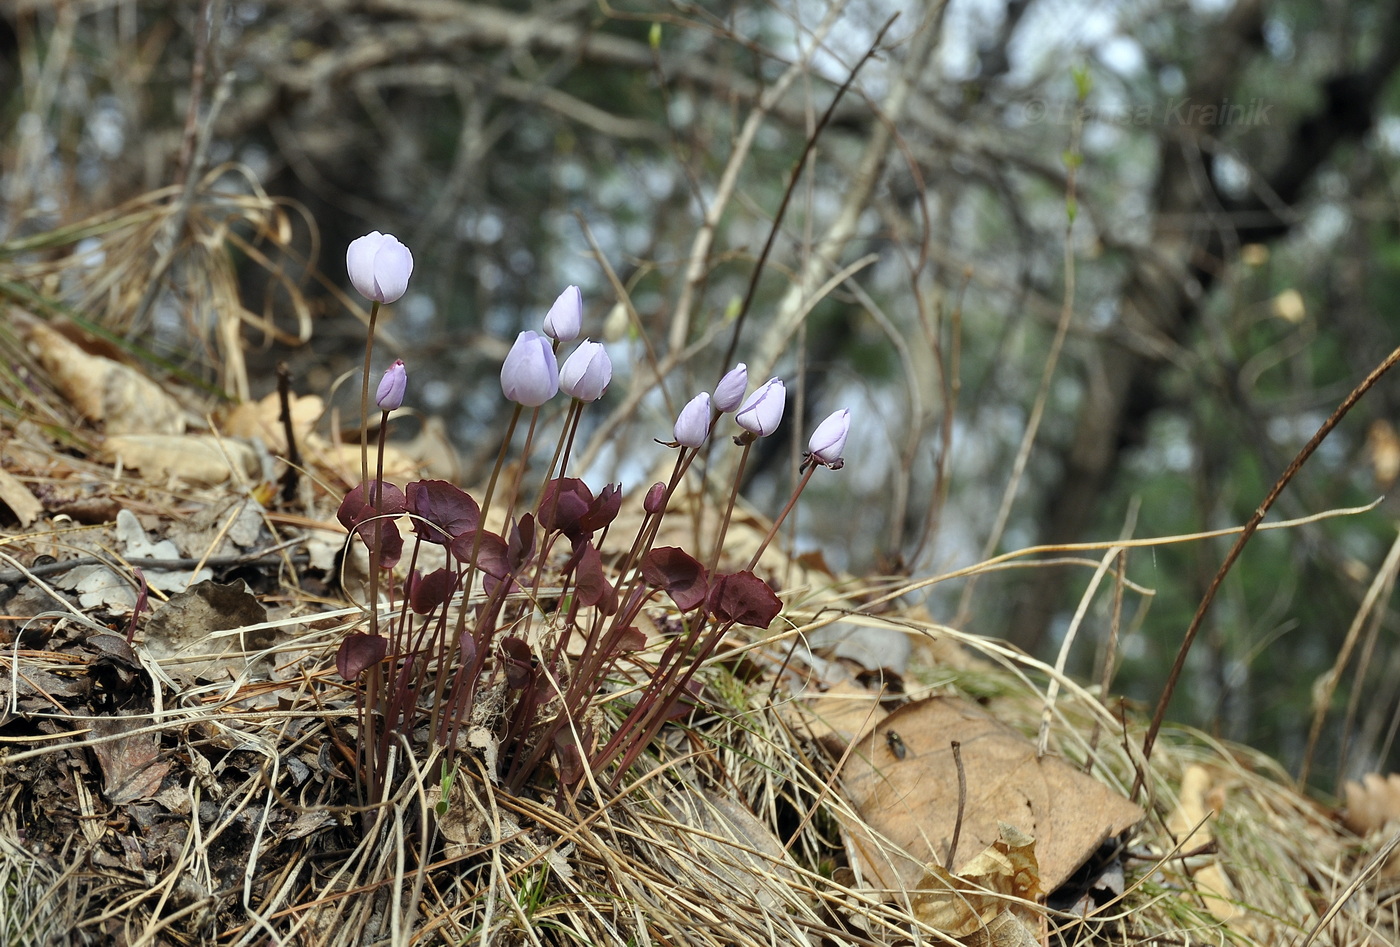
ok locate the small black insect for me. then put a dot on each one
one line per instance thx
(896, 745)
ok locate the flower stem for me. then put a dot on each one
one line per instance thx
(773, 530)
(364, 396)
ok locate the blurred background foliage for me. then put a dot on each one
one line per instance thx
(1215, 182)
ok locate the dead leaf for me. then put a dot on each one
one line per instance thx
(16, 496)
(179, 633)
(263, 419)
(132, 769)
(1371, 803)
(1200, 801)
(105, 392)
(970, 902)
(199, 459)
(911, 798)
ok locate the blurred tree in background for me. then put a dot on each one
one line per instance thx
(1159, 237)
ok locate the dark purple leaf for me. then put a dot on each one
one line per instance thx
(362, 516)
(522, 542)
(594, 587)
(678, 572)
(631, 639)
(448, 511)
(569, 757)
(427, 592)
(603, 510)
(745, 598)
(565, 501)
(355, 509)
(357, 652)
(490, 555)
(518, 662)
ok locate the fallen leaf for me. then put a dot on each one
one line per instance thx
(1371, 803)
(16, 496)
(199, 459)
(994, 903)
(907, 793)
(179, 634)
(1199, 802)
(263, 419)
(132, 769)
(105, 392)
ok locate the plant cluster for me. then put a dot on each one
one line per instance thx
(521, 634)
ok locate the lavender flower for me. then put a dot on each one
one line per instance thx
(729, 393)
(829, 439)
(586, 373)
(530, 373)
(764, 409)
(379, 266)
(565, 317)
(693, 423)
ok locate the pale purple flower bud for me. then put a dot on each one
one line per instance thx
(379, 266)
(729, 393)
(565, 317)
(586, 373)
(530, 374)
(829, 439)
(389, 397)
(656, 496)
(764, 409)
(693, 423)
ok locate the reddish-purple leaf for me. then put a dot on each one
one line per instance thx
(745, 598)
(467, 643)
(678, 572)
(603, 510)
(522, 542)
(355, 508)
(357, 652)
(564, 502)
(517, 660)
(594, 587)
(448, 511)
(427, 592)
(569, 757)
(490, 555)
(631, 639)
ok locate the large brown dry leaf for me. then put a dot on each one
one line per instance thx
(906, 790)
(117, 396)
(132, 769)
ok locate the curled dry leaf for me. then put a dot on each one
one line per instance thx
(1000, 884)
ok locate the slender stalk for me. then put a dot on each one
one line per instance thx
(773, 530)
(729, 508)
(364, 396)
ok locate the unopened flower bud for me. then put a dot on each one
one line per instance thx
(655, 497)
(764, 409)
(586, 373)
(379, 266)
(693, 423)
(565, 317)
(729, 393)
(530, 373)
(829, 439)
(389, 397)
